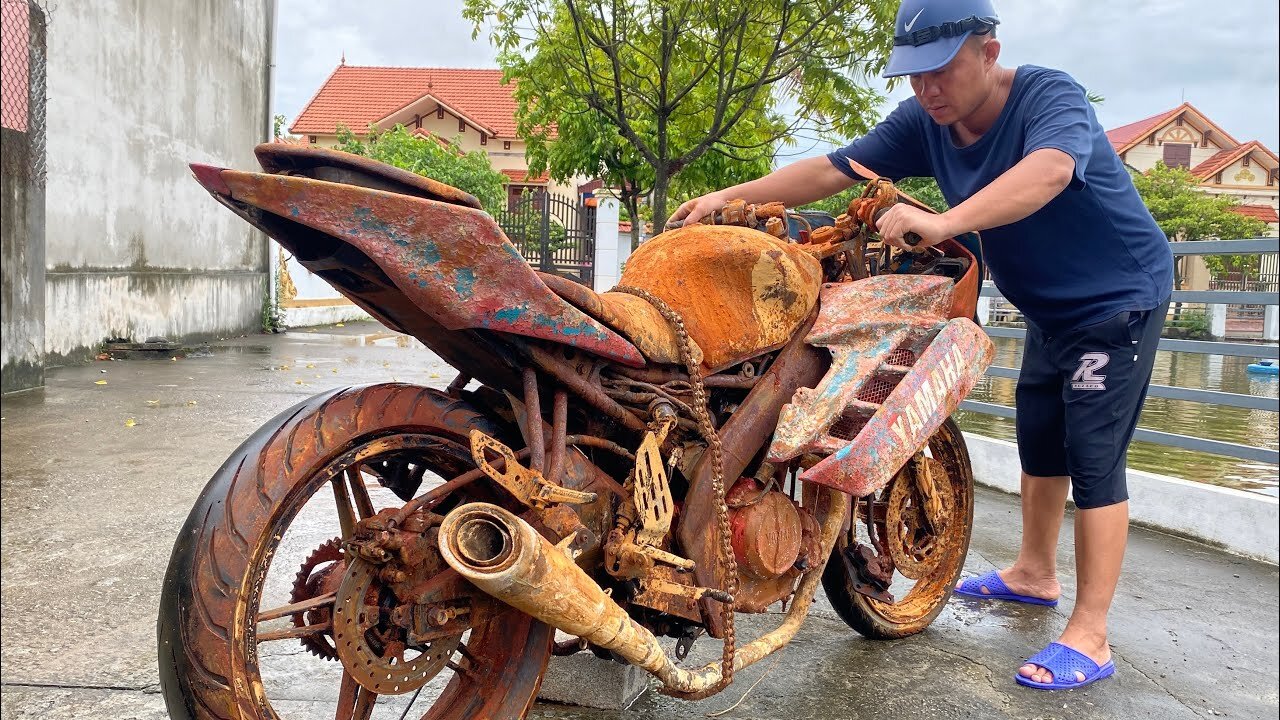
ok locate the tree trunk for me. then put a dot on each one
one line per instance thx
(661, 183)
(631, 201)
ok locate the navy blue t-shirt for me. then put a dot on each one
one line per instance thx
(1092, 252)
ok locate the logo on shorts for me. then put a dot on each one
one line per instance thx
(1086, 376)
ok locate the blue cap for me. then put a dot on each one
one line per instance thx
(929, 33)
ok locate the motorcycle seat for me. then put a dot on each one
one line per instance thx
(740, 293)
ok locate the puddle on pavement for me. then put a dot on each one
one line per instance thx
(384, 338)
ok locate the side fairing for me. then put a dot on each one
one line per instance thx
(899, 369)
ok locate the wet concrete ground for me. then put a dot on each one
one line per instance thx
(97, 479)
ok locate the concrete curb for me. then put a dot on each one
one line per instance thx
(1239, 522)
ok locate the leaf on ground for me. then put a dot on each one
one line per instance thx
(191, 403)
(435, 375)
(310, 365)
(298, 382)
(340, 325)
(153, 402)
(130, 422)
(335, 371)
(99, 382)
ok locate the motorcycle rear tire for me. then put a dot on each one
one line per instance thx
(207, 655)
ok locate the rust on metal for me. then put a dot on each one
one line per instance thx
(588, 391)
(861, 324)
(917, 517)
(559, 431)
(320, 162)
(540, 581)
(748, 429)
(943, 375)
(533, 424)
(651, 493)
(635, 319)
(453, 261)
(525, 484)
(763, 288)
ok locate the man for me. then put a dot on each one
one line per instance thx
(1020, 156)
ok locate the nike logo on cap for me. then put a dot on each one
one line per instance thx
(914, 19)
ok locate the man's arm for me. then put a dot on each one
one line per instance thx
(1020, 191)
(796, 184)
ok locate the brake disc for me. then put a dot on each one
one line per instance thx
(371, 648)
(917, 548)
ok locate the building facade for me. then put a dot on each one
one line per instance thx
(1246, 171)
(131, 247)
(1186, 137)
(469, 107)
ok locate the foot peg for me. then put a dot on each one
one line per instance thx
(528, 486)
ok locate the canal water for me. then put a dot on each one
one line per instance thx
(1214, 422)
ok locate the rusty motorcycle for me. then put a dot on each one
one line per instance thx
(762, 406)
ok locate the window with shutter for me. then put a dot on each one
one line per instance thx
(1177, 155)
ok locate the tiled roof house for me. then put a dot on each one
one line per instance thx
(1186, 137)
(470, 107)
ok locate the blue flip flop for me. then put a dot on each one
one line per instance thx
(1064, 663)
(997, 590)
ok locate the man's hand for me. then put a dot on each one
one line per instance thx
(694, 210)
(901, 219)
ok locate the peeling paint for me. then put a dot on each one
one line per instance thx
(451, 261)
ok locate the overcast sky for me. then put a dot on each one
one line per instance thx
(1143, 56)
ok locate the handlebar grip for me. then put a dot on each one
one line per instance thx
(912, 239)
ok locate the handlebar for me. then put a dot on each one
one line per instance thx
(912, 239)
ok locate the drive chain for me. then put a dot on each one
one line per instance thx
(728, 562)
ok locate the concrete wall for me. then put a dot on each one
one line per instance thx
(21, 201)
(1241, 522)
(135, 248)
(21, 245)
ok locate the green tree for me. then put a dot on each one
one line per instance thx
(1183, 213)
(467, 171)
(642, 91)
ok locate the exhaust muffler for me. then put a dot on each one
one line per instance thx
(506, 558)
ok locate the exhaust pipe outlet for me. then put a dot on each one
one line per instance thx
(506, 558)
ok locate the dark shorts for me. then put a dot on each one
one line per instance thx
(1078, 399)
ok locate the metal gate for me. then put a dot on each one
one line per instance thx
(554, 233)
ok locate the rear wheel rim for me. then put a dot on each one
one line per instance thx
(488, 662)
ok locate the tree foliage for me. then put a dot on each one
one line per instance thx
(1183, 212)
(682, 96)
(467, 171)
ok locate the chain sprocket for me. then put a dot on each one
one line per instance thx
(727, 560)
(916, 547)
(309, 583)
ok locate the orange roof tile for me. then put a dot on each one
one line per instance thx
(1126, 136)
(356, 95)
(1134, 131)
(1265, 213)
(1224, 158)
(521, 177)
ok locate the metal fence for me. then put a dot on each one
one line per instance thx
(22, 76)
(1211, 299)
